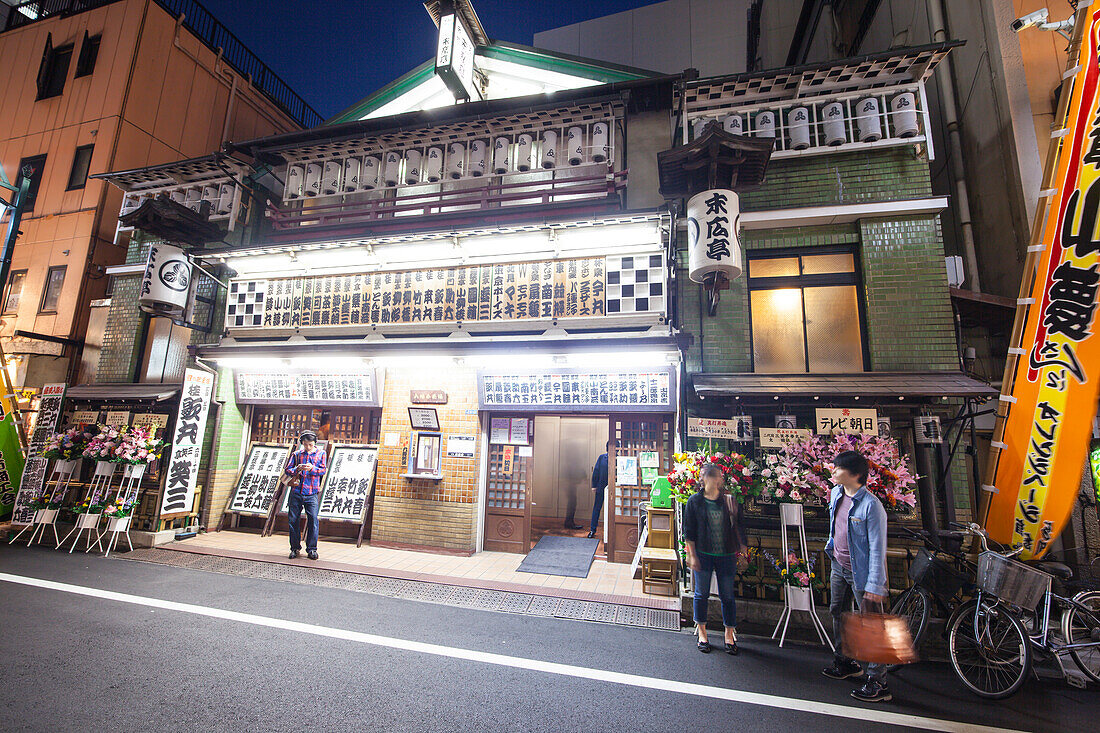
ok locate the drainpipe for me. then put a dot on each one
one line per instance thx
(945, 80)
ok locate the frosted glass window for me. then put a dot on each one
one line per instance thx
(774, 267)
(833, 336)
(825, 264)
(778, 341)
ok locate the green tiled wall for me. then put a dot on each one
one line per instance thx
(122, 338)
(225, 457)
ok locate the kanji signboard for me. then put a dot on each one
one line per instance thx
(259, 479)
(183, 466)
(34, 470)
(579, 390)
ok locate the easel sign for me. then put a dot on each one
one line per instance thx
(258, 482)
(349, 486)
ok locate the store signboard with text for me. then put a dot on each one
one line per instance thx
(359, 389)
(34, 470)
(829, 421)
(578, 390)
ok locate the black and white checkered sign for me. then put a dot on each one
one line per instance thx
(245, 306)
(635, 284)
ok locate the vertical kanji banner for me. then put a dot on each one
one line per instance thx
(183, 465)
(1053, 400)
(11, 464)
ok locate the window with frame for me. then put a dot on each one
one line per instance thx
(51, 294)
(806, 313)
(53, 69)
(89, 52)
(78, 174)
(37, 164)
(15, 291)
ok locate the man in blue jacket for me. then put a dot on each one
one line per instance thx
(599, 485)
(857, 546)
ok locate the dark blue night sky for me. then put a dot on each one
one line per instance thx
(335, 52)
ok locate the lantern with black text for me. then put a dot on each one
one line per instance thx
(166, 282)
(714, 249)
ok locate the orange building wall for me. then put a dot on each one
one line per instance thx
(157, 94)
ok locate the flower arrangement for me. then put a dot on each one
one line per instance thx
(795, 571)
(739, 473)
(117, 508)
(781, 479)
(67, 445)
(87, 506)
(43, 501)
(134, 445)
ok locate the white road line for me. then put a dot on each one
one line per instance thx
(600, 675)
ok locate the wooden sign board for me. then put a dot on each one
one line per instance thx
(85, 417)
(780, 437)
(846, 420)
(258, 482)
(348, 483)
(151, 419)
(427, 397)
(117, 419)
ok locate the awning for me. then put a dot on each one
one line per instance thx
(123, 392)
(865, 384)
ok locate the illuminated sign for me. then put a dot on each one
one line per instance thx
(454, 58)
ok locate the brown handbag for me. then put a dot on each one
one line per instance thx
(878, 637)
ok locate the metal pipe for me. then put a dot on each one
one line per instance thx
(945, 80)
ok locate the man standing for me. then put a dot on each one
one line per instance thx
(599, 485)
(857, 546)
(306, 466)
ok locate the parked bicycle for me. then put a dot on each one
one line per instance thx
(994, 637)
(942, 578)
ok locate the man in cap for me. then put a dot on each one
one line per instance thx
(306, 466)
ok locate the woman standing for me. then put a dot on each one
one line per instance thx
(714, 536)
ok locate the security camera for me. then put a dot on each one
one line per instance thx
(1031, 19)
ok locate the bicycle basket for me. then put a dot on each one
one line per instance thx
(939, 578)
(1011, 581)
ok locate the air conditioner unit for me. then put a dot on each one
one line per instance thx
(765, 124)
(330, 178)
(456, 161)
(903, 109)
(798, 128)
(525, 144)
(370, 173)
(352, 166)
(867, 121)
(600, 149)
(501, 148)
(391, 172)
(225, 199)
(295, 180)
(433, 165)
(413, 159)
(549, 149)
(832, 120)
(955, 272)
(478, 150)
(313, 179)
(574, 145)
(733, 124)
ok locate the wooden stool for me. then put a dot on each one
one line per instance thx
(659, 570)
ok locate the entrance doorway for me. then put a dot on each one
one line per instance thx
(566, 449)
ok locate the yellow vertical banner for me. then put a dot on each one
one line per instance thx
(1055, 386)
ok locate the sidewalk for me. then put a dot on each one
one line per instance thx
(606, 582)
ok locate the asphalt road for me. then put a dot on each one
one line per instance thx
(79, 661)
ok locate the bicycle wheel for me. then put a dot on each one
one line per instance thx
(915, 606)
(1082, 628)
(989, 649)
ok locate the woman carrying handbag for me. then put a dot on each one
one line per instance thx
(714, 537)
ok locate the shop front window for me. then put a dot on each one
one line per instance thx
(805, 310)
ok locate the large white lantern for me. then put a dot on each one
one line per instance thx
(477, 158)
(501, 148)
(433, 165)
(832, 119)
(870, 129)
(456, 160)
(733, 124)
(600, 148)
(166, 282)
(575, 145)
(525, 144)
(714, 244)
(903, 109)
(798, 128)
(549, 148)
(765, 124)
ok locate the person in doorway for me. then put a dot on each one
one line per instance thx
(571, 506)
(599, 486)
(307, 465)
(714, 536)
(857, 547)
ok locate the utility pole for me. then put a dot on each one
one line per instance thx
(9, 401)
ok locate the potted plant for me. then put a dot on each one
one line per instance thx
(66, 448)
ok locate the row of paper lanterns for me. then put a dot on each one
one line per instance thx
(219, 196)
(454, 161)
(903, 113)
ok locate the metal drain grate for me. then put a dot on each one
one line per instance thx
(425, 592)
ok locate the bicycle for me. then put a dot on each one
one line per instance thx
(942, 578)
(992, 648)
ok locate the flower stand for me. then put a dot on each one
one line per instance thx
(115, 527)
(796, 598)
(60, 477)
(84, 523)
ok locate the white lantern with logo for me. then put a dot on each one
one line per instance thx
(714, 244)
(575, 145)
(433, 165)
(733, 124)
(600, 149)
(870, 129)
(501, 147)
(549, 148)
(765, 124)
(166, 282)
(832, 119)
(456, 160)
(798, 128)
(478, 150)
(525, 144)
(903, 109)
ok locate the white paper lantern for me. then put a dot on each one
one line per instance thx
(225, 199)
(714, 244)
(391, 170)
(433, 165)
(370, 173)
(179, 196)
(166, 282)
(549, 149)
(867, 121)
(478, 150)
(352, 166)
(525, 144)
(903, 109)
(832, 119)
(501, 148)
(313, 179)
(798, 128)
(733, 124)
(574, 145)
(295, 180)
(600, 149)
(330, 180)
(765, 124)
(697, 127)
(210, 195)
(193, 199)
(456, 161)
(413, 159)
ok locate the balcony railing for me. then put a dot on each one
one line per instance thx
(207, 29)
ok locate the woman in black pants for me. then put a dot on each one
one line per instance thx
(714, 535)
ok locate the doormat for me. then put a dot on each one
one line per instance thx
(568, 556)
